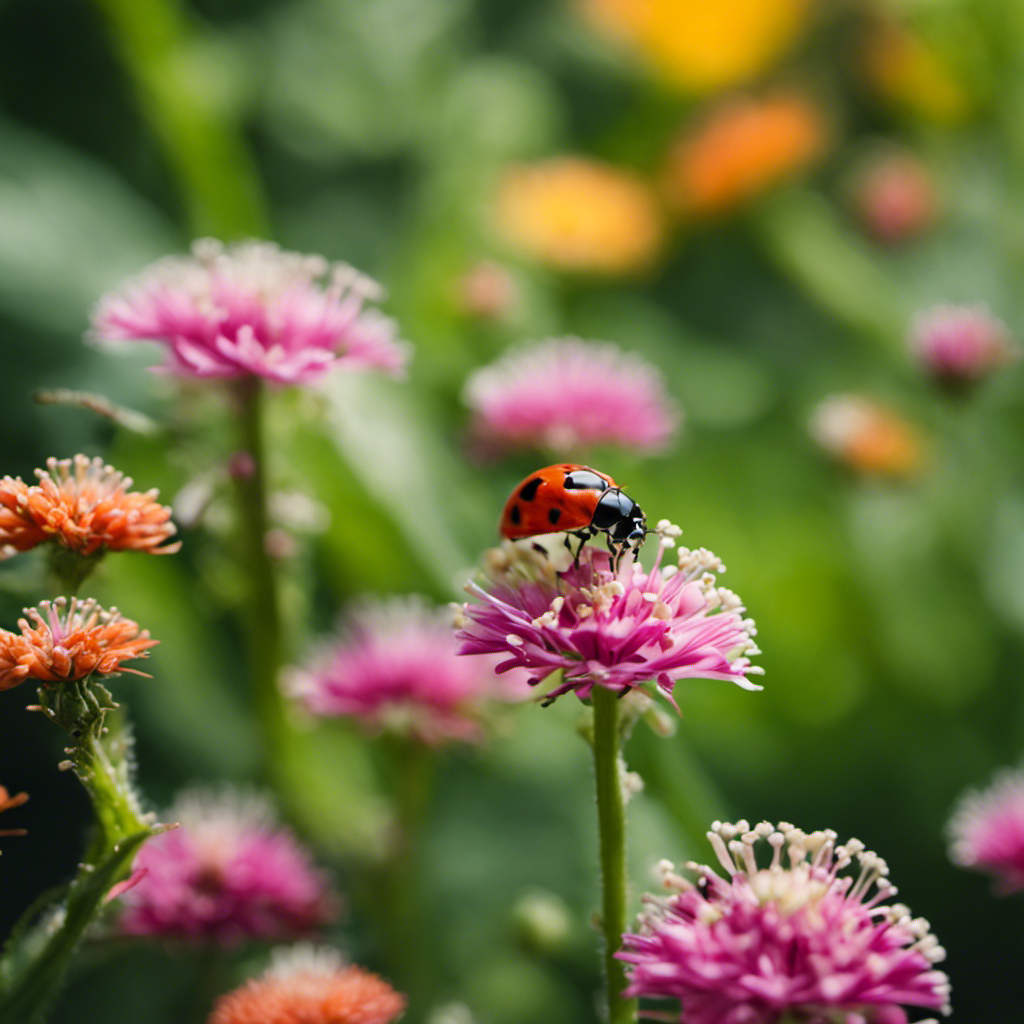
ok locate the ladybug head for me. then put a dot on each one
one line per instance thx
(622, 519)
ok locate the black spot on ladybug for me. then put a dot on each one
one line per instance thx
(515, 515)
(529, 491)
(554, 514)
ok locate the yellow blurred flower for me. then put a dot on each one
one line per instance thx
(867, 437)
(575, 214)
(904, 68)
(744, 147)
(703, 45)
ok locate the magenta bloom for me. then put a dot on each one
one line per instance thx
(252, 309)
(606, 628)
(797, 939)
(566, 395)
(229, 873)
(394, 668)
(961, 344)
(987, 831)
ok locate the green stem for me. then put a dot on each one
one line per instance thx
(38, 952)
(611, 825)
(263, 615)
(403, 926)
(177, 91)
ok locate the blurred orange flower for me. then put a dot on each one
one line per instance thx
(83, 505)
(745, 147)
(64, 640)
(575, 214)
(703, 45)
(904, 68)
(866, 436)
(306, 985)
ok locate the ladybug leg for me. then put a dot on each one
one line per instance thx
(584, 536)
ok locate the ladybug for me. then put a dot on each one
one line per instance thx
(579, 500)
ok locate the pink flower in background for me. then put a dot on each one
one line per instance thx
(987, 831)
(394, 667)
(894, 196)
(606, 628)
(310, 985)
(796, 940)
(566, 394)
(253, 309)
(229, 873)
(960, 344)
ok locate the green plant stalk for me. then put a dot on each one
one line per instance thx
(37, 954)
(219, 187)
(402, 925)
(611, 826)
(262, 613)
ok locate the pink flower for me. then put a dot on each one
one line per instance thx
(252, 309)
(229, 873)
(796, 940)
(394, 667)
(961, 344)
(566, 394)
(987, 831)
(607, 628)
(894, 196)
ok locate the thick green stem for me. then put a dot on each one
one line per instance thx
(263, 614)
(611, 825)
(402, 924)
(38, 952)
(177, 89)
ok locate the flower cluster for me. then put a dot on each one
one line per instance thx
(700, 47)
(961, 344)
(310, 985)
(229, 872)
(798, 939)
(564, 395)
(987, 831)
(580, 215)
(84, 505)
(745, 147)
(606, 626)
(866, 436)
(394, 667)
(253, 310)
(62, 641)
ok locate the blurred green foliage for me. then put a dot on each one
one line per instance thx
(891, 613)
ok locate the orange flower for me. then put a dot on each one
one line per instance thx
(6, 803)
(745, 147)
(84, 505)
(698, 45)
(63, 641)
(903, 67)
(310, 986)
(867, 437)
(582, 215)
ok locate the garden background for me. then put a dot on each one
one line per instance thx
(889, 599)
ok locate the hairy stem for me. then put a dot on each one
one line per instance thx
(42, 945)
(611, 825)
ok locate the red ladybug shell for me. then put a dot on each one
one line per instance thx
(541, 503)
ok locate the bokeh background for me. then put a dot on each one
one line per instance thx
(889, 594)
